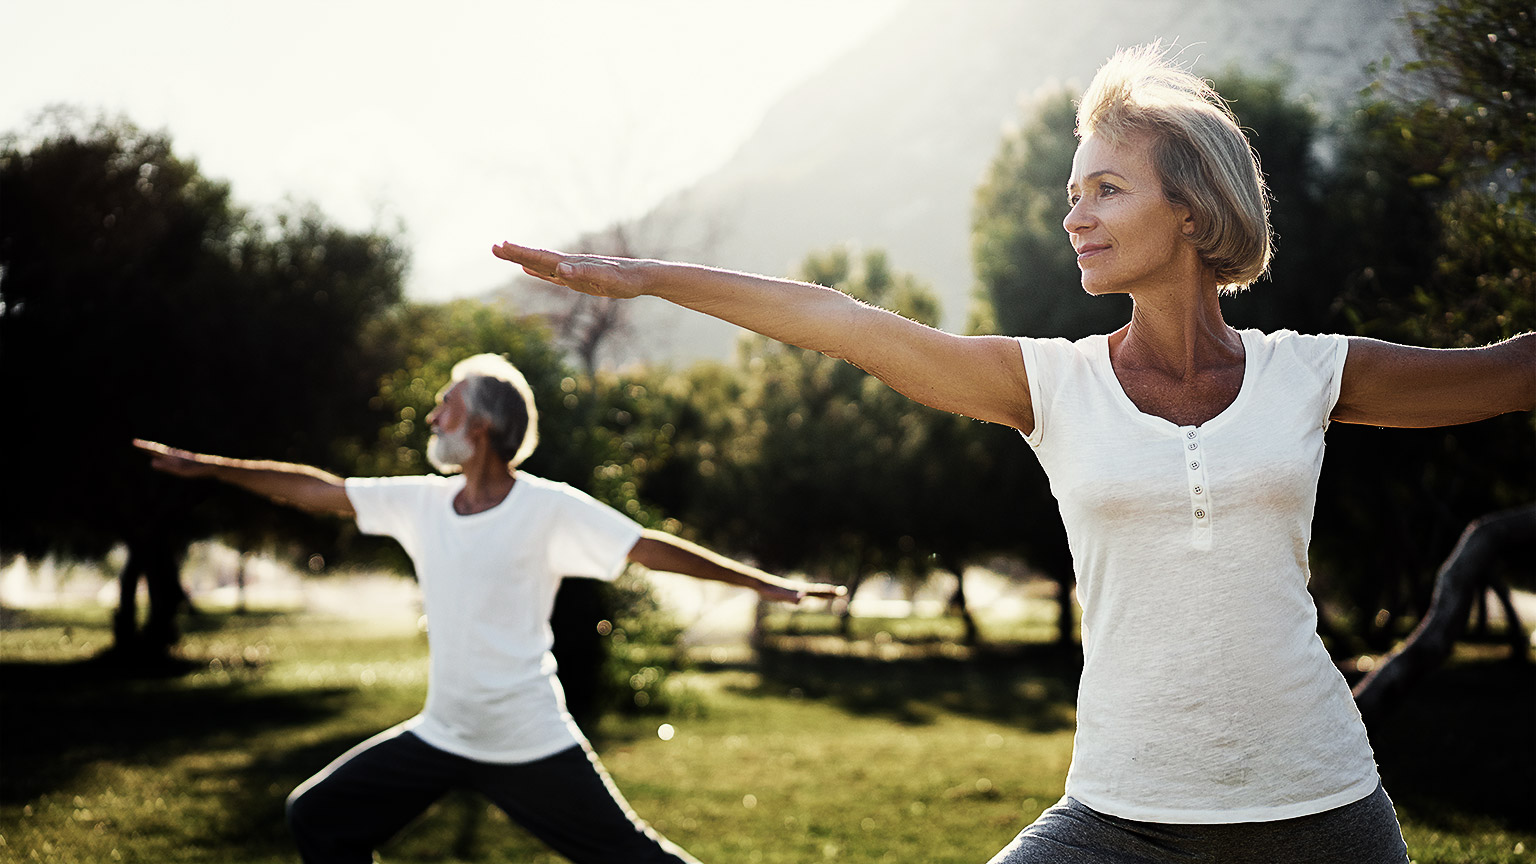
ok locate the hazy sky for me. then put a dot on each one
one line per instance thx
(468, 122)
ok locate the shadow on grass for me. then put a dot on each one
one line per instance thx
(1462, 746)
(1460, 749)
(1033, 687)
(60, 718)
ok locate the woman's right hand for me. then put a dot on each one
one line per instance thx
(597, 275)
(978, 376)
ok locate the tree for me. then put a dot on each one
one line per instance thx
(1021, 254)
(799, 460)
(598, 330)
(1436, 180)
(137, 300)
(1463, 576)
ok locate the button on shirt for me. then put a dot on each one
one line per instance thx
(1206, 694)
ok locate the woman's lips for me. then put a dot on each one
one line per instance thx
(1090, 250)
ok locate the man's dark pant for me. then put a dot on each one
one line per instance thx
(567, 800)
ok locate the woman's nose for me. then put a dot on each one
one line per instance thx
(1077, 219)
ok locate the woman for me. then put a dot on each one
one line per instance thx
(1184, 454)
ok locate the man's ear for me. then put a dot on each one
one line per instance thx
(478, 427)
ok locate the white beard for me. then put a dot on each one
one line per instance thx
(448, 451)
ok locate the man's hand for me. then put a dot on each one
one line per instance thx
(787, 591)
(182, 463)
(302, 486)
(658, 550)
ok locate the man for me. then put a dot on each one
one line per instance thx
(490, 544)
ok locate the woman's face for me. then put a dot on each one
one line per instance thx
(1127, 235)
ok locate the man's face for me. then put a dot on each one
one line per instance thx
(450, 445)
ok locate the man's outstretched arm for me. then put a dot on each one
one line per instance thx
(302, 486)
(658, 550)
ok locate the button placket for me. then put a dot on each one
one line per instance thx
(1199, 490)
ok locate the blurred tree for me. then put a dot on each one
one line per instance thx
(805, 462)
(1026, 266)
(136, 300)
(1022, 257)
(1436, 190)
(598, 331)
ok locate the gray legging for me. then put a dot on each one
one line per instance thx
(1365, 832)
(366, 796)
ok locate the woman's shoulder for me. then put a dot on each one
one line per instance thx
(1295, 342)
(1086, 346)
(1322, 352)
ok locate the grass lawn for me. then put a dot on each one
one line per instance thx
(192, 764)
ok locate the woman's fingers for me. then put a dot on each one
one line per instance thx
(543, 264)
(589, 274)
(537, 262)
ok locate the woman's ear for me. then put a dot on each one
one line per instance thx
(1188, 225)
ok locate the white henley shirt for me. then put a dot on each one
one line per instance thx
(1206, 694)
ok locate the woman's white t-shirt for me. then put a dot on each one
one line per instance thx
(1206, 694)
(488, 583)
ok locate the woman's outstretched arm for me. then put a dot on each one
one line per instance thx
(978, 376)
(1386, 384)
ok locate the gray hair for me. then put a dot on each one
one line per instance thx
(1202, 157)
(496, 392)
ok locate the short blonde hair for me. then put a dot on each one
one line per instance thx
(496, 391)
(1202, 157)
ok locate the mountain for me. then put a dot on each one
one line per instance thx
(886, 146)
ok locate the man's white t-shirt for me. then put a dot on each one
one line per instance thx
(1206, 694)
(488, 583)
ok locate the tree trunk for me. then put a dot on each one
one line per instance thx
(958, 602)
(156, 560)
(1514, 628)
(240, 578)
(1463, 575)
(1065, 621)
(580, 650)
(845, 614)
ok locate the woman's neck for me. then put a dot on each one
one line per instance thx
(1178, 331)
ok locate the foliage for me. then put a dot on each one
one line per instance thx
(803, 461)
(645, 656)
(1436, 182)
(414, 347)
(137, 301)
(1018, 245)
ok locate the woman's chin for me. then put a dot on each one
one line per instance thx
(1097, 286)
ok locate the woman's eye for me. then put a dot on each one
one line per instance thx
(1107, 189)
